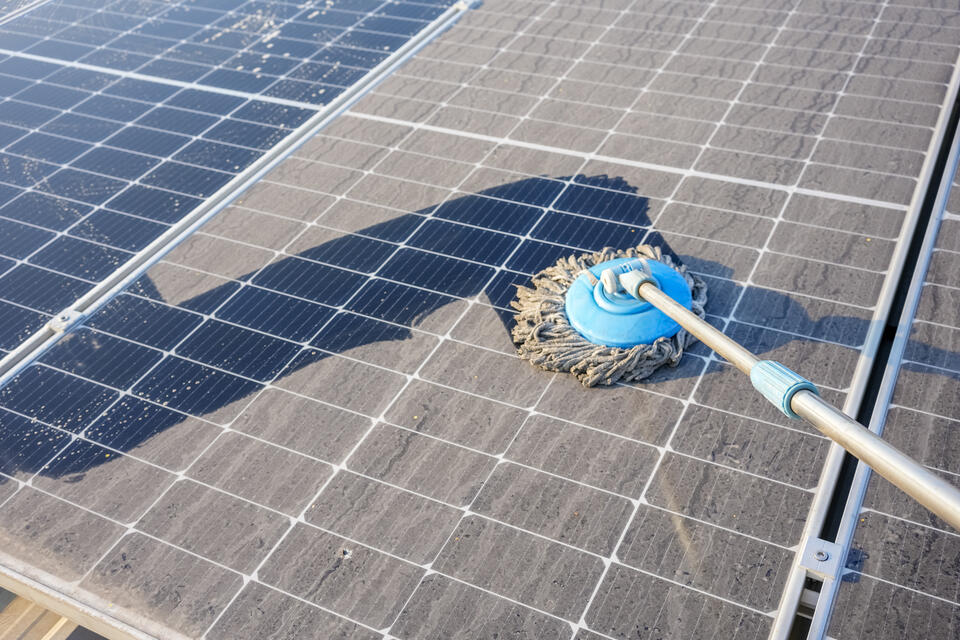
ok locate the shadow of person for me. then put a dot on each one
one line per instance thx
(323, 301)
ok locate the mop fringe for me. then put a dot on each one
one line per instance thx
(544, 336)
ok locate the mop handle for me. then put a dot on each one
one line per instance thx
(927, 488)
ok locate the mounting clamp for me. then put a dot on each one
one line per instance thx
(64, 321)
(822, 559)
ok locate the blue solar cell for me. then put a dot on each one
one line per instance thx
(301, 91)
(187, 179)
(142, 44)
(24, 114)
(586, 233)
(81, 127)
(258, 63)
(135, 7)
(310, 280)
(372, 40)
(622, 207)
(130, 422)
(224, 157)
(102, 358)
(192, 52)
(155, 204)
(141, 90)
(397, 303)
(149, 141)
(17, 41)
(490, 213)
(8, 193)
(275, 313)
(113, 162)
(193, 388)
(286, 47)
(86, 34)
(329, 73)
(56, 398)
(411, 10)
(461, 241)
(309, 31)
(275, 114)
(27, 445)
(45, 211)
(41, 289)
(19, 240)
(536, 191)
(9, 134)
(115, 21)
(23, 172)
(51, 95)
(532, 256)
(347, 331)
(167, 29)
(80, 185)
(178, 120)
(82, 78)
(59, 50)
(247, 134)
(27, 68)
(150, 323)
(394, 25)
(238, 80)
(502, 289)
(439, 273)
(192, 15)
(10, 86)
(205, 101)
(80, 258)
(17, 324)
(241, 351)
(118, 109)
(174, 70)
(350, 57)
(351, 252)
(114, 59)
(62, 12)
(118, 230)
(77, 459)
(49, 148)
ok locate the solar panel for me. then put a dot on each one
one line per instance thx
(901, 567)
(104, 147)
(312, 407)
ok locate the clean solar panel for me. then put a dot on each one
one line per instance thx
(312, 407)
(96, 163)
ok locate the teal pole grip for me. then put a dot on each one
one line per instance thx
(778, 384)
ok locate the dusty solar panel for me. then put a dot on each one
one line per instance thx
(902, 574)
(311, 408)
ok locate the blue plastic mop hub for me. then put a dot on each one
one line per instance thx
(619, 319)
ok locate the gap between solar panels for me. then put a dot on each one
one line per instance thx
(46, 337)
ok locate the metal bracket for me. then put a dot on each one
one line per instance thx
(64, 320)
(822, 559)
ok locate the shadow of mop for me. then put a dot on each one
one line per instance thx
(514, 207)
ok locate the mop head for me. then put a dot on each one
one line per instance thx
(545, 337)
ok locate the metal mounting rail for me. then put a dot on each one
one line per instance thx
(39, 342)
